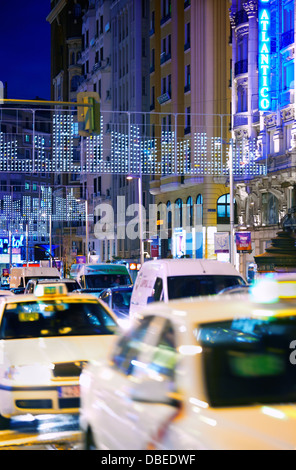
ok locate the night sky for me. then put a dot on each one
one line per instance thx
(25, 48)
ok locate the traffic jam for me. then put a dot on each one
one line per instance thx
(184, 356)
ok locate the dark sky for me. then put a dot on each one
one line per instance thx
(25, 48)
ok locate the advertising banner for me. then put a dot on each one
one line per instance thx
(221, 242)
(243, 242)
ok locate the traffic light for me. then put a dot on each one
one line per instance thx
(5, 247)
(89, 116)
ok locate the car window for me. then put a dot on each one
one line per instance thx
(94, 281)
(72, 286)
(165, 355)
(247, 360)
(158, 289)
(196, 285)
(42, 318)
(130, 346)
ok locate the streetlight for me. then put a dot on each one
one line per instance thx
(86, 229)
(140, 212)
(50, 236)
(231, 191)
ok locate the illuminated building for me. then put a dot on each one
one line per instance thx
(189, 91)
(263, 109)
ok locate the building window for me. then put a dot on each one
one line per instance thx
(188, 121)
(187, 37)
(242, 99)
(187, 78)
(270, 209)
(199, 209)
(189, 212)
(178, 212)
(223, 210)
(169, 215)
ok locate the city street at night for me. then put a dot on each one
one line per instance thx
(147, 228)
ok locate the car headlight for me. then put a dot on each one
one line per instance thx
(29, 374)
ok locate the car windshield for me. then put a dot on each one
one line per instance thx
(72, 286)
(196, 285)
(121, 299)
(93, 281)
(29, 278)
(42, 318)
(249, 361)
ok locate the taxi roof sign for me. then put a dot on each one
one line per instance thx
(53, 290)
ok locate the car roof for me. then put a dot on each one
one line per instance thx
(27, 297)
(50, 281)
(190, 266)
(209, 309)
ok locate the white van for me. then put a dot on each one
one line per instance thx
(97, 277)
(167, 279)
(19, 277)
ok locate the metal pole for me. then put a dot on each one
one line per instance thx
(27, 243)
(86, 232)
(10, 249)
(50, 240)
(140, 186)
(231, 190)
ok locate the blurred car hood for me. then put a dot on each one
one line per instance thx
(56, 349)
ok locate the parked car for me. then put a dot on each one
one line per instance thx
(168, 279)
(207, 373)
(118, 299)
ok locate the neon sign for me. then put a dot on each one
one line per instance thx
(264, 56)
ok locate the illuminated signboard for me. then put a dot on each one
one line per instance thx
(264, 44)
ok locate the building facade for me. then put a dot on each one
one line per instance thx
(263, 110)
(190, 101)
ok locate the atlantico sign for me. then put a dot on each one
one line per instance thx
(264, 55)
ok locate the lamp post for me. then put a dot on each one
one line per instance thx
(86, 251)
(140, 212)
(86, 232)
(50, 240)
(231, 191)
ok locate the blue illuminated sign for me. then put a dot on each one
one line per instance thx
(264, 56)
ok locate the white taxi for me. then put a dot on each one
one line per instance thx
(45, 339)
(207, 373)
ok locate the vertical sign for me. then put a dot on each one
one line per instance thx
(243, 242)
(264, 56)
